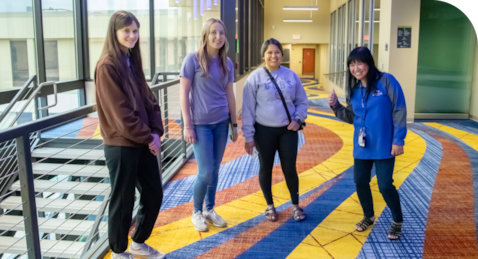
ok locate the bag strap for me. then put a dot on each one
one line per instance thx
(280, 93)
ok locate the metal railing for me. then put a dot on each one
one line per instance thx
(339, 78)
(64, 208)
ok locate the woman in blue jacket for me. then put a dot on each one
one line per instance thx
(376, 107)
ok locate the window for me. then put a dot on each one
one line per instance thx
(59, 40)
(99, 14)
(178, 28)
(353, 24)
(19, 56)
(16, 43)
(51, 60)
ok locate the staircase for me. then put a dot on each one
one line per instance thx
(69, 191)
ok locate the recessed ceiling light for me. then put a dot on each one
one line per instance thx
(297, 20)
(301, 8)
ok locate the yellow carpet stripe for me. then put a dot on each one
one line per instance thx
(181, 233)
(469, 138)
(334, 236)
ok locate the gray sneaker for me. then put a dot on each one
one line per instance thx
(145, 251)
(214, 218)
(124, 255)
(199, 222)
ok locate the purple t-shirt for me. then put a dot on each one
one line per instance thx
(208, 94)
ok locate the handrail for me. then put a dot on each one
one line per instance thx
(18, 96)
(335, 73)
(55, 94)
(33, 96)
(29, 127)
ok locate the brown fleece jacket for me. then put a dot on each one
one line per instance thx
(120, 124)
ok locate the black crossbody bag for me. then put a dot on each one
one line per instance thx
(302, 125)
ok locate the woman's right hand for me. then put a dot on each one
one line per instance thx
(250, 147)
(189, 135)
(333, 100)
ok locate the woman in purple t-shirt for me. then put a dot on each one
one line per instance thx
(208, 104)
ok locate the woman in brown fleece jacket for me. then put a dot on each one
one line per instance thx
(131, 126)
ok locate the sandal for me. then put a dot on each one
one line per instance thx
(395, 231)
(297, 213)
(364, 224)
(271, 214)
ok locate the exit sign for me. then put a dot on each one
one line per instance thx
(296, 36)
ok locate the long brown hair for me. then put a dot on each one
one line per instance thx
(134, 81)
(204, 57)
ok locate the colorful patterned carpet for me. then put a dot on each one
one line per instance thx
(437, 179)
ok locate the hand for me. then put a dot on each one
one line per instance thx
(294, 125)
(250, 147)
(234, 134)
(189, 135)
(156, 143)
(397, 150)
(333, 100)
(155, 152)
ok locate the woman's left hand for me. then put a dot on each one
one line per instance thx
(234, 134)
(397, 150)
(294, 125)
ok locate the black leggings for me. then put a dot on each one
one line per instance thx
(268, 140)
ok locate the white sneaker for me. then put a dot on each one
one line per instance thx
(144, 251)
(214, 218)
(124, 255)
(199, 222)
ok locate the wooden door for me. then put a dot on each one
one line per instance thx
(308, 62)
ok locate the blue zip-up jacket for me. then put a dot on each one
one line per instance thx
(385, 118)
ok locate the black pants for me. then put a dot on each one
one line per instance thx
(129, 167)
(268, 140)
(384, 172)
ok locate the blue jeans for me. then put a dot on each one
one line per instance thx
(209, 149)
(384, 172)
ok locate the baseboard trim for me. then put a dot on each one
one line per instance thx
(473, 117)
(442, 116)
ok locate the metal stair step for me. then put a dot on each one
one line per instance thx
(55, 205)
(50, 248)
(53, 225)
(89, 188)
(70, 153)
(73, 170)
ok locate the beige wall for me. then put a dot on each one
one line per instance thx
(474, 89)
(403, 62)
(315, 32)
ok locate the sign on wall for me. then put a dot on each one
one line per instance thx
(404, 37)
(296, 36)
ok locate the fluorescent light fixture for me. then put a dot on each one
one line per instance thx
(215, 2)
(177, 1)
(301, 8)
(298, 20)
(208, 5)
(201, 6)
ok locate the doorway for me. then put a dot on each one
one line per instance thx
(308, 62)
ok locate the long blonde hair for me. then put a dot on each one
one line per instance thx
(204, 57)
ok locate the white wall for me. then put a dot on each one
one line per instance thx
(474, 89)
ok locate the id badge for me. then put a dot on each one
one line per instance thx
(361, 138)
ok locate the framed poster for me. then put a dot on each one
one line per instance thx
(404, 37)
